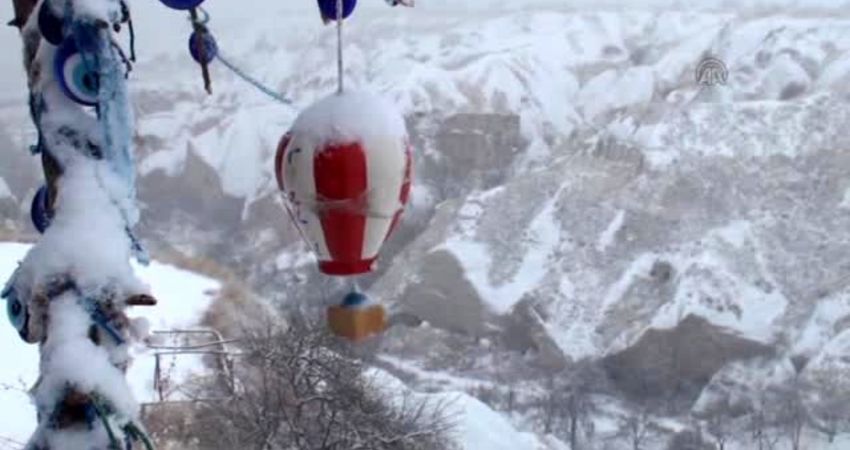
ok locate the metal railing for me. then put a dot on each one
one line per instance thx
(214, 346)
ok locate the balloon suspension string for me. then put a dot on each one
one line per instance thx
(340, 68)
(294, 218)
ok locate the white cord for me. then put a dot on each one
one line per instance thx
(339, 61)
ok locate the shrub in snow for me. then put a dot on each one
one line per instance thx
(301, 388)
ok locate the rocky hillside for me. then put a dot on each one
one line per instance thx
(579, 196)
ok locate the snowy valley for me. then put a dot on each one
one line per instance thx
(581, 205)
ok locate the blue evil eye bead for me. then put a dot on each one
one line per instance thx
(17, 314)
(328, 8)
(50, 24)
(78, 80)
(39, 210)
(355, 300)
(182, 4)
(203, 40)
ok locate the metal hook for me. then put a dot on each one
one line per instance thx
(202, 20)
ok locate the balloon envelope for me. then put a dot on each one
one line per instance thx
(346, 171)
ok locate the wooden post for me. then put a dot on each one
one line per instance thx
(23, 9)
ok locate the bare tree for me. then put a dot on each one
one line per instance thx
(299, 388)
(718, 419)
(567, 404)
(690, 439)
(762, 422)
(791, 414)
(635, 427)
(548, 405)
(580, 407)
(830, 409)
(719, 424)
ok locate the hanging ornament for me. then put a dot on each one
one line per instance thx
(182, 5)
(78, 80)
(40, 210)
(346, 171)
(329, 11)
(357, 318)
(16, 313)
(202, 46)
(50, 24)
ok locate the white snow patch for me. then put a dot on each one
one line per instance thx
(5, 192)
(845, 202)
(639, 268)
(183, 296)
(708, 285)
(819, 328)
(169, 161)
(477, 426)
(20, 368)
(296, 258)
(726, 298)
(609, 91)
(607, 236)
(836, 73)
(543, 237)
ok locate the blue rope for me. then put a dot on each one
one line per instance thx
(115, 120)
(99, 317)
(201, 24)
(253, 81)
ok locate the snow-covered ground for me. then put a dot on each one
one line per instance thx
(183, 298)
(733, 194)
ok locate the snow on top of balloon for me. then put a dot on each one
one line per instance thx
(350, 116)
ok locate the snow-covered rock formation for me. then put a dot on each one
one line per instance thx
(579, 194)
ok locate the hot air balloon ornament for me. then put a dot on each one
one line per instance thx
(345, 170)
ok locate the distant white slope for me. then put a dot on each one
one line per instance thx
(475, 426)
(183, 297)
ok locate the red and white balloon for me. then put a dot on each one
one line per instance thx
(345, 167)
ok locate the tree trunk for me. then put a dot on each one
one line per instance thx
(574, 431)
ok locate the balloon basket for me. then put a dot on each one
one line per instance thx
(357, 324)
